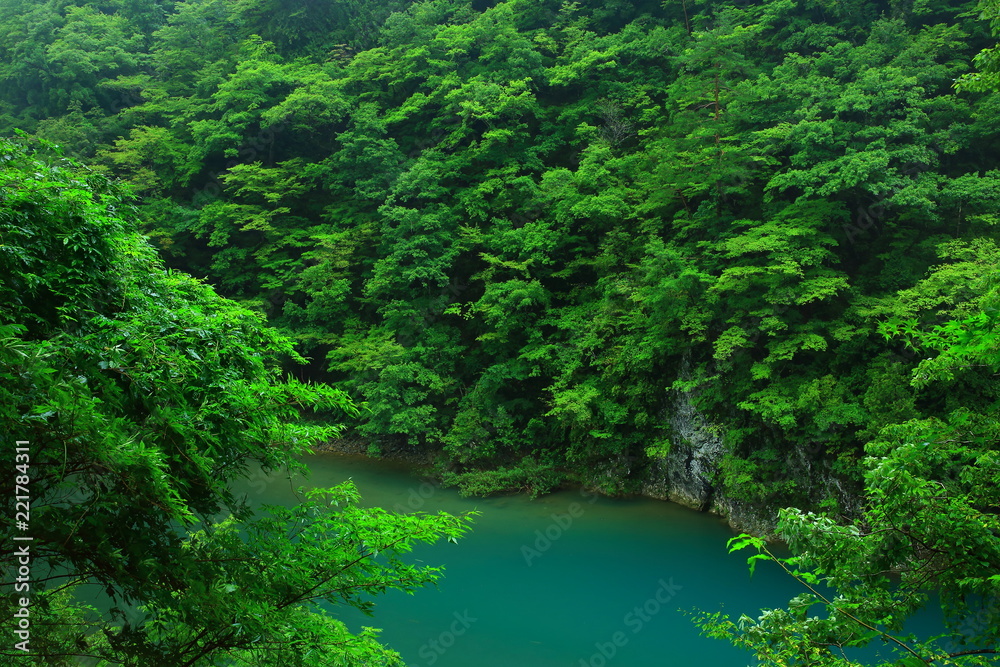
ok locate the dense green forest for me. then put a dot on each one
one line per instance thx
(525, 236)
(517, 232)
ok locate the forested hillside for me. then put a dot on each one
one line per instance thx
(747, 246)
(521, 232)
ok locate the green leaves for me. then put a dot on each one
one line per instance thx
(142, 394)
(265, 601)
(514, 233)
(743, 541)
(929, 520)
(987, 61)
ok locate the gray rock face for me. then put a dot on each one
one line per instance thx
(744, 517)
(685, 475)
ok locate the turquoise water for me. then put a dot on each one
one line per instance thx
(568, 579)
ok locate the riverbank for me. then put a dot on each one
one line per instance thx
(359, 446)
(658, 481)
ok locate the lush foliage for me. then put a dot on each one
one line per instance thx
(521, 232)
(141, 394)
(929, 532)
(517, 231)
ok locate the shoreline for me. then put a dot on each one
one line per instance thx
(358, 447)
(421, 464)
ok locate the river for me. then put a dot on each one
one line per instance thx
(569, 579)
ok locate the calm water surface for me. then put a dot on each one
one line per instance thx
(565, 580)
